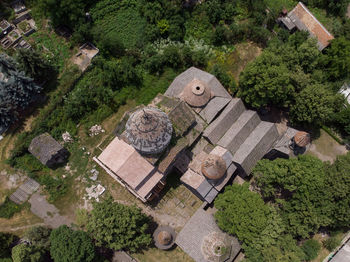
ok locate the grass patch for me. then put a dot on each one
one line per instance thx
(54, 48)
(9, 208)
(155, 255)
(126, 24)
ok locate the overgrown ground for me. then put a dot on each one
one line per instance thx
(326, 148)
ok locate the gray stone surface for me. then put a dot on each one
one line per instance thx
(22, 194)
(190, 238)
(239, 131)
(224, 121)
(48, 212)
(343, 254)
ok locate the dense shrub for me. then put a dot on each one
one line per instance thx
(331, 243)
(9, 208)
(311, 248)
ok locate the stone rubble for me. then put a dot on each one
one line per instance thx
(96, 130)
(67, 138)
(94, 175)
(95, 191)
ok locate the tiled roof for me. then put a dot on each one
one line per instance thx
(305, 20)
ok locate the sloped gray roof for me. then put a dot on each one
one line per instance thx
(257, 144)
(200, 225)
(179, 83)
(214, 106)
(43, 147)
(239, 131)
(224, 121)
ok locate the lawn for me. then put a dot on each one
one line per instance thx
(55, 48)
(157, 255)
(326, 148)
(235, 61)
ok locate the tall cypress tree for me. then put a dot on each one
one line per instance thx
(16, 90)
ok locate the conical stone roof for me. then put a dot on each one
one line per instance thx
(302, 139)
(164, 238)
(196, 93)
(213, 167)
(149, 130)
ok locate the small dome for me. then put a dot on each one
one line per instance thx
(196, 93)
(214, 167)
(302, 139)
(164, 238)
(149, 130)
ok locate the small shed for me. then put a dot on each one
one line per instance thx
(48, 151)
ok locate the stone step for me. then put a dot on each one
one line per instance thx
(239, 131)
(224, 121)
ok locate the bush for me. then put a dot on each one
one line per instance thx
(331, 243)
(311, 248)
(9, 208)
(56, 187)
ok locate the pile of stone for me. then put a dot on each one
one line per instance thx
(96, 130)
(94, 174)
(95, 191)
(67, 138)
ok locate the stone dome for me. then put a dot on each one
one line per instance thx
(302, 139)
(149, 130)
(213, 167)
(196, 93)
(164, 238)
(215, 247)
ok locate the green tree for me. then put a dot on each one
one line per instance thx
(39, 236)
(294, 184)
(311, 248)
(338, 186)
(34, 65)
(69, 245)
(118, 226)
(337, 59)
(27, 253)
(6, 240)
(315, 105)
(265, 81)
(16, 90)
(242, 213)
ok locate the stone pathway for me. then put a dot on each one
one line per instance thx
(48, 212)
(22, 193)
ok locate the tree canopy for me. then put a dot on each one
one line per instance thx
(27, 253)
(71, 245)
(16, 90)
(241, 212)
(118, 226)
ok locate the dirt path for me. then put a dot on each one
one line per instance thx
(48, 212)
(22, 227)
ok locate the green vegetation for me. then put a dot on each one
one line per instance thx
(118, 227)
(311, 248)
(291, 207)
(27, 253)
(238, 204)
(9, 208)
(6, 241)
(331, 243)
(69, 245)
